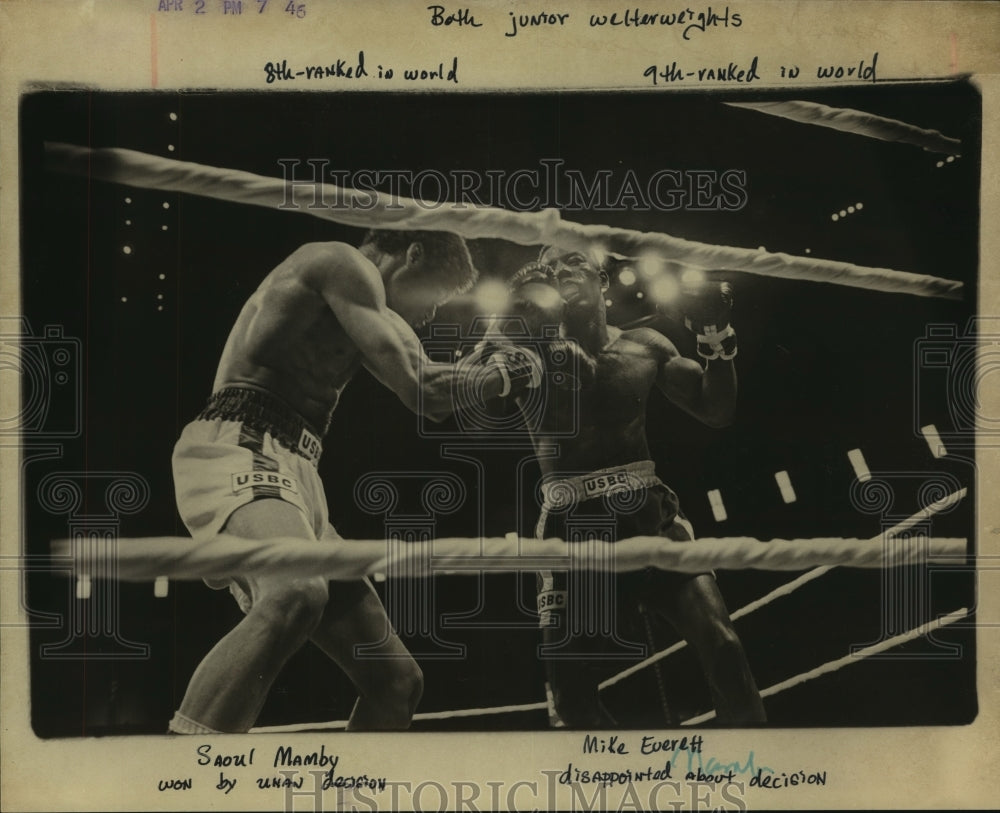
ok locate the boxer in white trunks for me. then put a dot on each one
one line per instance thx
(246, 465)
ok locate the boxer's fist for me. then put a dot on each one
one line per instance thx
(534, 296)
(707, 308)
(561, 363)
(533, 272)
(521, 368)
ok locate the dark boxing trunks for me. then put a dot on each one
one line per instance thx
(580, 611)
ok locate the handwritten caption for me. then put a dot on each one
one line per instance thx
(864, 69)
(687, 22)
(672, 73)
(602, 762)
(680, 758)
(282, 770)
(358, 69)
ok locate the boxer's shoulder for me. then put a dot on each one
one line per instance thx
(330, 260)
(329, 268)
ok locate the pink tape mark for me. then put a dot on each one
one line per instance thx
(152, 49)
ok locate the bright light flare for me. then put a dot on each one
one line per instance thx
(650, 265)
(490, 296)
(693, 277)
(664, 289)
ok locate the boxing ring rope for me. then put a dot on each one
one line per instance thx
(854, 657)
(181, 558)
(368, 210)
(858, 122)
(796, 680)
(141, 559)
(335, 725)
(924, 514)
(147, 558)
(790, 587)
(929, 511)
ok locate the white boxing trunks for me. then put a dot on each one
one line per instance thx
(246, 445)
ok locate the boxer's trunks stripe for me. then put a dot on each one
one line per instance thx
(253, 439)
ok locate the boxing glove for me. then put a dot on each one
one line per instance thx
(535, 299)
(706, 308)
(567, 365)
(521, 368)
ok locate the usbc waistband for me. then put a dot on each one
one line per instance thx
(560, 492)
(265, 413)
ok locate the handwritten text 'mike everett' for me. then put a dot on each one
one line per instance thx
(649, 745)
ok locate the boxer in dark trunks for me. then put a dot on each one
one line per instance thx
(600, 483)
(247, 464)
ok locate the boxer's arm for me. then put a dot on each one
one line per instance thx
(708, 394)
(353, 289)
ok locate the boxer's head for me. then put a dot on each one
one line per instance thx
(430, 268)
(580, 275)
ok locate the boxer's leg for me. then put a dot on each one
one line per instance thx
(388, 680)
(231, 683)
(695, 607)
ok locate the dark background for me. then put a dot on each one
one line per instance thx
(823, 369)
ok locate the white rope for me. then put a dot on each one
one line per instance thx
(790, 587)
(812, 674)
(340, 725)
(369, 210)
(295, 728)
(848, 120)
(847, 660)
(147, 558)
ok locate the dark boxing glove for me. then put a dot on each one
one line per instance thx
(567, 365)
(533, 272)
(706, 308)
(535, 299)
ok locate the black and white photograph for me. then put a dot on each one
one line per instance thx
(641, 417)
(266, 372)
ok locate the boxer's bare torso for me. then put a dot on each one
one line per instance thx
(608, 418)
(290, 338)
